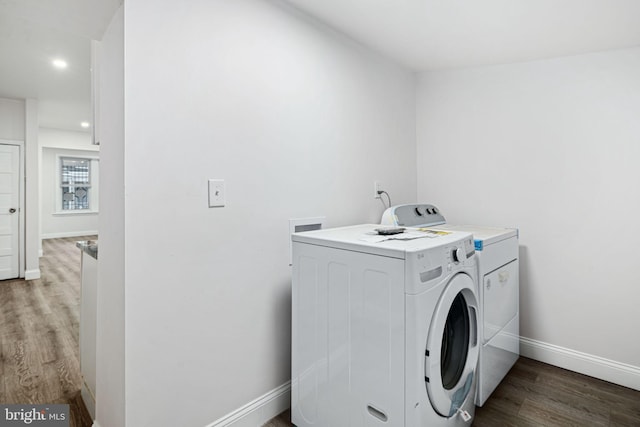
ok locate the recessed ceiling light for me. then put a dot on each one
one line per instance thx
(85, 124)
(59, 63)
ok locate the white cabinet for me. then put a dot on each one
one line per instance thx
(88, 304)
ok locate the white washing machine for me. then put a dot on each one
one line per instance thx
(384, 333)
(497, 253)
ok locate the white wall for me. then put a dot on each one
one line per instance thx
(56, 223)
(12, 119)
(54, 143)
(110, 391)
(57, 138)
(551, 147)
(299, 122)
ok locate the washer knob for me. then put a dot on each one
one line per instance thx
(418, 211)
(457, 255)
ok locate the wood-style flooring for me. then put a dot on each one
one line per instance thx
(537, 394)
(39, 351)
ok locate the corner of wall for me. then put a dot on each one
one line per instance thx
(32, 274)
(32, 191)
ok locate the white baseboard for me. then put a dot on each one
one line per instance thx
(32, 274)
(587, 364)
(69, 234)
(259, 411)
(88, 399)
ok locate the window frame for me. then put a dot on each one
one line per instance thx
(93, 175)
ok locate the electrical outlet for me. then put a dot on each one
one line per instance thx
(216, 193)
(377, 186)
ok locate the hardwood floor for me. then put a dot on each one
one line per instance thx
(537, 394)
(39, 352)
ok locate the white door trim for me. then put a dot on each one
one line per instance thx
(21, 228)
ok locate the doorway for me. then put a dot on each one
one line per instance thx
(11, 215)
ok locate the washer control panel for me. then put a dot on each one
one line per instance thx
(431, 265)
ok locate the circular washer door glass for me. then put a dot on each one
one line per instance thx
(455, 343)
(452, 347)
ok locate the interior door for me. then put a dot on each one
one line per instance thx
(9, 215)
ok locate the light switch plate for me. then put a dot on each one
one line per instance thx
(216, 193)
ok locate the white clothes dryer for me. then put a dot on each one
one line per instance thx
(498, 274)
(384, 332)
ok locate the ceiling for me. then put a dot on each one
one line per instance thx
(441, 34)
(419, 34)
(32, 34)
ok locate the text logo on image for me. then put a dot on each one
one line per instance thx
(34, 415)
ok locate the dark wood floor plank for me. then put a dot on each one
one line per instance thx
(536, 394)
(508, 399)
(48, 350)
(543, 415)
(39, 324)
(1, 367)
(624, 419)
(23, 378)
(68, 370)
(585, 412)
(553, 393)
(526, 370)
(282, 420)
(610, 395)
(492, 416)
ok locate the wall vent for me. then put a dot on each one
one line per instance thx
(298, 225)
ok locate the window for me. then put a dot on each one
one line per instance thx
(75, 181)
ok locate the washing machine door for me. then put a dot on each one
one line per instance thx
(452, 346)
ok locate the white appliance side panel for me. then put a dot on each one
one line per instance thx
(497, 254)
(500, 298)
(496, 359)
(305, 341)
(338, 338)
(348, 338)
(88, 321)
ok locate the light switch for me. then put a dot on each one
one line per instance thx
(216, 193)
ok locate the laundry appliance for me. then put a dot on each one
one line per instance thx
(384, 328)
(497, 253)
